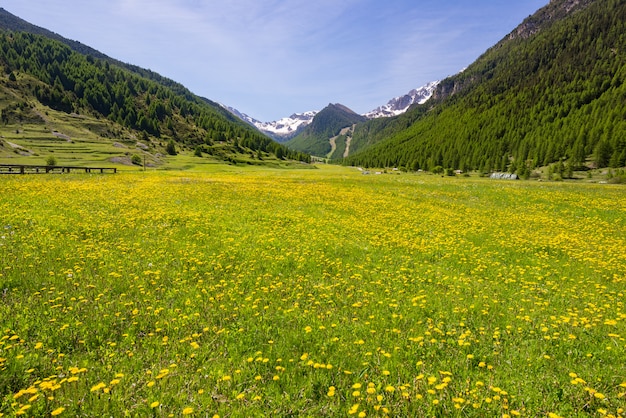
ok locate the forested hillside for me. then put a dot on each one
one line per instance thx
(314, 139)
(553, 90)
(60, 78)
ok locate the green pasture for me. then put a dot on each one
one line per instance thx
(239, 290)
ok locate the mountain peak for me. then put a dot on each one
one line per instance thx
(340, 107)
(401, 104)
(280, 130)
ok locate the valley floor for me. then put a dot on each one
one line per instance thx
(248, 292)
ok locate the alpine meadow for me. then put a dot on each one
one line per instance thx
(165, 258)
(259, 293)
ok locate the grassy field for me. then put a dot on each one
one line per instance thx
(256, 292)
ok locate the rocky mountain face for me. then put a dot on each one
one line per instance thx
(281, 130)
(399, 105)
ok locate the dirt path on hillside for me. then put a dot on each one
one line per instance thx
(333, 142)
(333, 146)
(348, 141)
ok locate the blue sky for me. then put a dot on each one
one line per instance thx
(272, 58)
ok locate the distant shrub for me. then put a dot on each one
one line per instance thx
(171, 148)
(51, 160)
(136, 159)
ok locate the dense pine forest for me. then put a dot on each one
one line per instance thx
(553, 91)
(137, 99)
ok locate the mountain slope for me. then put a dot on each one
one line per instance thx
(45, 73)
(14, 23)
(328, 123)
(554, 89)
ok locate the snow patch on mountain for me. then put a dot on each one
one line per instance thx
(282, 129)
(401, 104)
(289, 125)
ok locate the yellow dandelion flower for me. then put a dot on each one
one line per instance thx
(188, 411)
(154, 404)
(57, 411)
(97, 387)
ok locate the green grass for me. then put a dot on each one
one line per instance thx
(249, 291)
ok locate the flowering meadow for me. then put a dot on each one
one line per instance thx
(310, 293)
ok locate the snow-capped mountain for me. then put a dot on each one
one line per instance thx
(284, 129)
(401, 104)
(281, 130)
(287, 128)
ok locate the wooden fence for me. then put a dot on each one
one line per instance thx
(50, 169)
